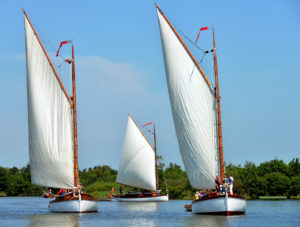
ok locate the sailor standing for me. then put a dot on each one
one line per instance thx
(231, 179)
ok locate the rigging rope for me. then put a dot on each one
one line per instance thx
(204, 51)
(192, 42)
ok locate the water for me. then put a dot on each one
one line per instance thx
(33, 211)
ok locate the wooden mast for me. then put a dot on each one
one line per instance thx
(76, 175)
(156, 170)
(54, 71)
(220, 139)
(183, 44)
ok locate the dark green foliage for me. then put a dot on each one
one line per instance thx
(97, 174)
(16, 182)
(273, 178)
(177, 182)
(294, 186)
(272, 166)
(4, 175)
(294, 167)
(269, 178)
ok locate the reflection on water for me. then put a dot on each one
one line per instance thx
(33, 211)
(208, 220)
(139, 213)
(54, 219)
(139, 206)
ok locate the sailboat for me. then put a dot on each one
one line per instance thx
(197, 117)
(52, 123)
(138, 167)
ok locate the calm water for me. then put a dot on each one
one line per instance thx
(33, 211)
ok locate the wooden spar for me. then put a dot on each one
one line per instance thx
(76, 175)
(59, 81)
(141, 132)
(185, 47)
(220, 139)
(155, 151)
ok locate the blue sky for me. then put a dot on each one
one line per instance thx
(120, 70)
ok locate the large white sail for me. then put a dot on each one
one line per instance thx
(49, 120)
(193, 107)
(137, 165)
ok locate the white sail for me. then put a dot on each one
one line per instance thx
(49, 120)
(193, 107)
(137, 165)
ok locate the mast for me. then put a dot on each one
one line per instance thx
(220, 139)
(196, 148)
(183, 44)
(50, 62)
(76, 175)
(156, 170)
(137, 164)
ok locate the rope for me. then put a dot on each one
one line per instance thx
(204, 51)
(192, 42)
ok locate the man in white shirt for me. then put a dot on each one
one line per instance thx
(231, 184)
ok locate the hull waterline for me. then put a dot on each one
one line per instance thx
(161, 198)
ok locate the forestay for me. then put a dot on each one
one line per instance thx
(49, 120)
(193, 107)
(137, 165)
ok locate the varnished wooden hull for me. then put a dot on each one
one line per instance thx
(70, 204)
(47, 196)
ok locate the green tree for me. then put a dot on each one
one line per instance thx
(294, 167)
(4, 179)
(294, 189)
(273, 166)
(276, 183)
(177, 181)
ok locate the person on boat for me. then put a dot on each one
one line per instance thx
(230, 182)
(225, 182)
(202, 194)
(61, 192)
(80, 188)
(121, 190)
(218, 183)
(224, 185)
(196, 197)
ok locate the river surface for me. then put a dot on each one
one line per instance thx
(33, 211)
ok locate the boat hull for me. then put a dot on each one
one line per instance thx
(220, 205)
(47, 196)
(73, 205)
(158, 198)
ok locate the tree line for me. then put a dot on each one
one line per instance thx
(271, 178)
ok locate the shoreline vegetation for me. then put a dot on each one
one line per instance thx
(269, 180)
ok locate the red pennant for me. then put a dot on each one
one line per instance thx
(201, 29)
(147, 124)
(62, 43)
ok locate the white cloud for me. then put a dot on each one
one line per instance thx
(119, 75)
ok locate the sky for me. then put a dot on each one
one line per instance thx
(120, 70)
